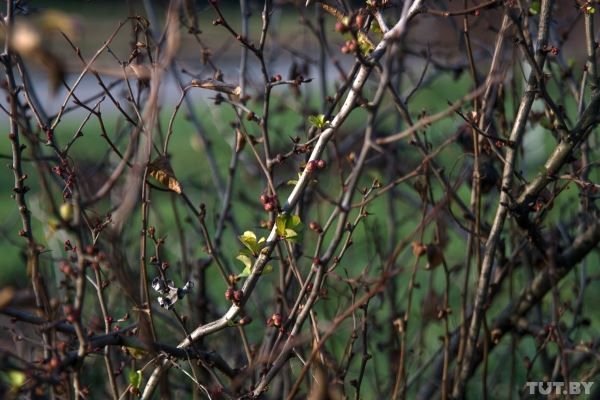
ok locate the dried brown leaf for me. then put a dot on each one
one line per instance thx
(212, 84)
(6, 296)
(435, 256)
(418, 249)
(160, 169)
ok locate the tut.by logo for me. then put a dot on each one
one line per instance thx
(571, 388)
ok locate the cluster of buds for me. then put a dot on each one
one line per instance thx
(270, 203)
(63, 171)
(49, 135)
(587, 8)
(275, 320)
(91, 250)
(164, 265)
(323, 291)
(341, 27)
(349, 47)
(347, 25)
(314, 165)
(314, 226)
(235, 296)
(71, 313)
(591, 188)
(66, 268)
(53, 364)
(69, 246)
(302, 149)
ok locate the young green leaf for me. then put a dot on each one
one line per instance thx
(294, 221)
(248, 239)
(245, 259)
(365, 44)
(136, 353)
(534, 8)
(281, 224)
(135, 378)
(290, 233)
(16, 378)
(246, 252)
(289, 227)
(318, 121)
(375, 28)
(245, 273)
(248, 270)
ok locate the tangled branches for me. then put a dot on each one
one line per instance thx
(407, 210)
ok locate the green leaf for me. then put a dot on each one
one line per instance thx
(288, 226)
(535, 7)
(281, 223)
(245, 273)
(246, 252)
(364, 43)
(294, 181)
(247, 261)
(135, 378)
(16, 378)
(248, 239)
(248, 270)
(245, 257)
(136, 353)
(290, 233)
(294, 221)
(375, 28)
(318, 121)
(295, 225)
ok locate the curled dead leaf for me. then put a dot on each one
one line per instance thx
(240, 141)
(6, 296)
(496, 335)
(435, 256)
(160, 169)
(419, 249)
(140, 71)
(217, 86)
(399, 324)
(431, 304)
